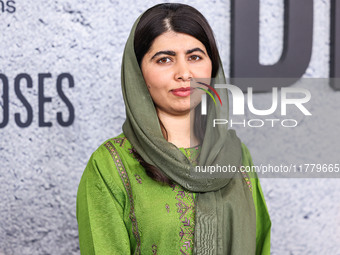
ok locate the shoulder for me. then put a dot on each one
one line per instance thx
(116, 142)
(247, 163)
(112, 150)
(246, 157)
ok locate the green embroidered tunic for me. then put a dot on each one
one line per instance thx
(121, 210)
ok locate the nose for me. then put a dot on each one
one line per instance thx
(183, 71)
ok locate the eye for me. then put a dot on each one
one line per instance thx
(195, 58)
(164, 60)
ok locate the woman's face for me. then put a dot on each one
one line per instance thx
(171, 62)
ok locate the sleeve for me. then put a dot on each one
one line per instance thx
(100, 215)
(263, 222)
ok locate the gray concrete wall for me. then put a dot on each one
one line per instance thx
(40, 167)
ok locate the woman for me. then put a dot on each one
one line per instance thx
(139, 193)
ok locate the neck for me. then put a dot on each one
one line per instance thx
(179, 128)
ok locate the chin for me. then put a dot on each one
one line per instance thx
(183, 109)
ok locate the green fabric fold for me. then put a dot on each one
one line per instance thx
(225, 220)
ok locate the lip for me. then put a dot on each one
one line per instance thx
(183, 91)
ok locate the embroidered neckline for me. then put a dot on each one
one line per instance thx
(192, 154)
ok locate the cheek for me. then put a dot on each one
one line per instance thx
(204, 70)
(149, 75)
(209, 69)
(208, 72)
(154, 80)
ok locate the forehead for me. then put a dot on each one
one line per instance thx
(175, 42)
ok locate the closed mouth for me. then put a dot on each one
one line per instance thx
(182, 89)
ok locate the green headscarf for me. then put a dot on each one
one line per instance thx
(225, 215)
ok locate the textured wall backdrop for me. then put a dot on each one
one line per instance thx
(40, 167)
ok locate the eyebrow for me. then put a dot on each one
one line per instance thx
(172, 53)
